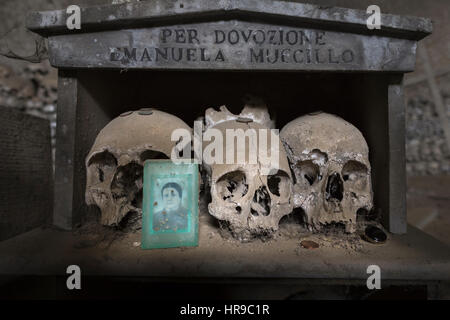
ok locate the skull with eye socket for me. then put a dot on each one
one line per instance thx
(330, 161)
(114, 165)
(250, 196)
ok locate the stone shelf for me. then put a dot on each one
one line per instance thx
(415, 256)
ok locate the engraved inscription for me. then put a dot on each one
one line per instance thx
(256, 46)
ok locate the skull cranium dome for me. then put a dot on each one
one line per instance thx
(250, 199)
(114, 163)
(330, 161)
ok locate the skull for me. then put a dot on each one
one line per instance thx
(330, 161)
(115, 163)
(251, 196)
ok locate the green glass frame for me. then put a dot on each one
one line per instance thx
(169, 228)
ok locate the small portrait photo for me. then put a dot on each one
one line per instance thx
(170, 204)
(170, 213)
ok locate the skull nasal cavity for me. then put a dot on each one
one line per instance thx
(261, 202)
(334, 187)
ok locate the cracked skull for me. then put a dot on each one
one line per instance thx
(330, 161)
(114, 164)
(251, 195)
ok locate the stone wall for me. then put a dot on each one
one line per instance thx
(426, 149)
(32, 90)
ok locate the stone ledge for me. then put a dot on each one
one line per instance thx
(159, 12)
(415, 256)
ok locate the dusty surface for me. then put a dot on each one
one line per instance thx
(48, 251)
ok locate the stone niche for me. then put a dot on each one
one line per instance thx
(191, 55)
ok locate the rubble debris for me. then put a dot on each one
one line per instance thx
(308, 244)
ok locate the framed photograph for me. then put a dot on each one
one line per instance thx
(170, 204)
